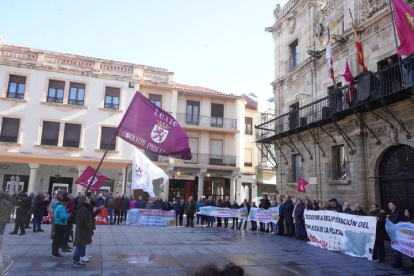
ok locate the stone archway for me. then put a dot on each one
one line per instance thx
(396, 176)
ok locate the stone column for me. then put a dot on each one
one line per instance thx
(232, 188)
(78, 188)
(200, 186)
(32, 178)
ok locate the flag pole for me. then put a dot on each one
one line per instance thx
(102, 159)
(396, 41)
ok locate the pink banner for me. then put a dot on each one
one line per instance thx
(86, 178)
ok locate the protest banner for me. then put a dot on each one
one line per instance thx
(402, 237)
(49, 215)
(265, 216)
(223, 212)
(102, 217)
(350, 234)
(144, 217)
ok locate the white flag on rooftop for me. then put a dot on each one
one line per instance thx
(144, 172)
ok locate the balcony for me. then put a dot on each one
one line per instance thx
(209, 159)
(370, 91)
(206, 121)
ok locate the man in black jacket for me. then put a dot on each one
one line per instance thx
(167, 205)
(381, 233)
(347, 209)
(179, 211)
(210, 219)
(335, 206)
(140, 204)
(358, 210)
(190, 209)
(22, 211)
(395, 217)
(226, 204)
(287, 212)
(159, 204)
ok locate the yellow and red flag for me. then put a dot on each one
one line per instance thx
(358, 46)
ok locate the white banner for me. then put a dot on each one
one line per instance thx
(265, 216)
(223, 212)
(402, 237)
(144, 217)
(350, 234)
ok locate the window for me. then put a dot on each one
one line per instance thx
(112, 97)
(193, 113)
(297, 167)
(248, 157)
(71, 137)
(294, 55)
(17, 84)
(339, 164)
(193, 142)
(77, 93)
(293, 116)
(248, 126)
(55, 92)
(151, 156)
(216, 152)
(156, 99)
(106, 136)
(217, 113)
(50, 134)
(9, 130)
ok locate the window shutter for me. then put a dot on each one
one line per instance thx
(17, 79)
(9, 130)
(112, 91)
(57, 84)
(50, 133)
(77, 85)
(71, 137)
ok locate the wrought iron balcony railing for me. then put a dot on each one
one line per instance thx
(207, 121)
(368, 92)
(210, 159)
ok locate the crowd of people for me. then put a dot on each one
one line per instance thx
(83, 209)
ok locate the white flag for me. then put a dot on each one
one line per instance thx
(144, 172)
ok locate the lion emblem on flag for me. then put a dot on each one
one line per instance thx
(160, 132)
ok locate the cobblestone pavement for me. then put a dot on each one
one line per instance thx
(134, 250)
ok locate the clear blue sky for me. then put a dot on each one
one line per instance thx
(219, 44)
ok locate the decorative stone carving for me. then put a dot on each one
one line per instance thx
(371, 7)
(318, 31)
(293, 26)
(393, 135)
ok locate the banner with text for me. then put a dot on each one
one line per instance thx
(144, 217)
(402, 237)
(223, 212)
(350, 234)
(265, 216)
(102, 217)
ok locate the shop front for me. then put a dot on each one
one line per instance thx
(182, 186)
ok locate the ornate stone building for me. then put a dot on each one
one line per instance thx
(351, 143)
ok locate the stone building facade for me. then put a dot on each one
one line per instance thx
(359, 150)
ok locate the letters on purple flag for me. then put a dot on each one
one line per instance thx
(150, 128)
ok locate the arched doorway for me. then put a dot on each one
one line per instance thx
(396, 172)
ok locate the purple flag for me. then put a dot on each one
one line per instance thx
(86, 178)
(150, 128)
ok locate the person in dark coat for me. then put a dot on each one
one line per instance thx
(235, 206)
(358, 210)
(100, 201)
(242, 205)
(167, 205)
(395, 217)
(125, 206)
(381, 234)
(117, 209)
(40, 203)
(210, 219)
(22, 211)
(287, 213)
(179, 211)
(84, 231)
(219, 204)
(335, 206)
(347, 209)
(159, 204)
(265, 204)
(110, 205)
(140, 204)
(190, 210)
(29, 217)
(299, 219)
(226, 204)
